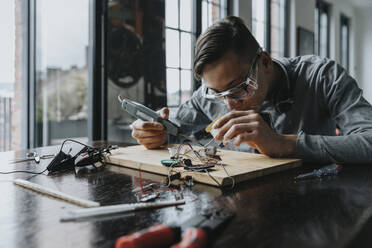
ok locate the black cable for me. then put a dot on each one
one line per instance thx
(22, 171)
(63, 143)
(75, 141)
(38, 173)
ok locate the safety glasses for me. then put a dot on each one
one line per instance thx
(245, 89)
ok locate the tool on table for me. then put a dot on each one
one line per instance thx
(332, 169)
(85, 160)
(144, 113)
(54, 193)
(32, 156)
(115, 209)
(196, 232)
(92, 159)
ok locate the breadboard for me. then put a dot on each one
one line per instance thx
(241, 166)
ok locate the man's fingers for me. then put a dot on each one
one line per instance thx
(146, 125)
(164, 113)
(153, 146)
(234, 114)
(239, 129)
(245, 137)
(139, 133)
(253, 117)
(152, 141)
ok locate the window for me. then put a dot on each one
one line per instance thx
(135, 61)
(180, 37)
(278, 32)
(268, 25)
(260, 10)
(212, 11)
(180, 28)
(129, 54)
(13, 75)
(7, 42)
(61, 71)
(344, 42)
(322, 29)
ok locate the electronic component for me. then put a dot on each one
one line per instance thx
(148, 186)
(61, 162)
(88, 159)
(195, 160)
(199, 167)
(169, 162)
(187, 162)
(210, 151)
(149, 197)
(88, 162)
(170, 178)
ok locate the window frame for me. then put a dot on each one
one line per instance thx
(97, 85)
(30, 53)
(345, 21)
(320, 8)
(195, 32)
(268, 27)
(97, 89)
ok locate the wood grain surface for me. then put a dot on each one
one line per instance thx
(241, 166)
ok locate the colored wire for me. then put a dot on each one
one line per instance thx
(74, 141)
(23, 171)
(212, 178)
(232, 179)
(203, 160)
(140, 181)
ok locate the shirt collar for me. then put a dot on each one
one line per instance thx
(282, 98)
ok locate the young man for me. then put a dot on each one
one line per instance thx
(307, 98)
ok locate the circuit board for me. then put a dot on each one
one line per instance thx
(241, 166)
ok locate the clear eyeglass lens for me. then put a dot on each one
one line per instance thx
(238, 94)
(246, 91)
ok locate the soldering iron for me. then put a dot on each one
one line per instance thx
(144, 113)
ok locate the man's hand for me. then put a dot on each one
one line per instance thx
(249, 127)
(150, 134)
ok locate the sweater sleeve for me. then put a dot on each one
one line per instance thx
(190, 117)
(352, 114)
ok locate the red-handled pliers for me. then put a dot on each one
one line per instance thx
(195, 232)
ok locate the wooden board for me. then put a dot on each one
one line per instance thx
(241, 166)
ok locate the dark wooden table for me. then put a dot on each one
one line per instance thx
(272, 211)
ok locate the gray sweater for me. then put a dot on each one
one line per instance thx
(316, 96)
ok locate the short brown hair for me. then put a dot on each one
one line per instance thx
(229, 34)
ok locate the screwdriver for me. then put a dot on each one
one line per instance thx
(332, 169)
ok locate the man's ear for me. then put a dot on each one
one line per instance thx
(267, 62)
